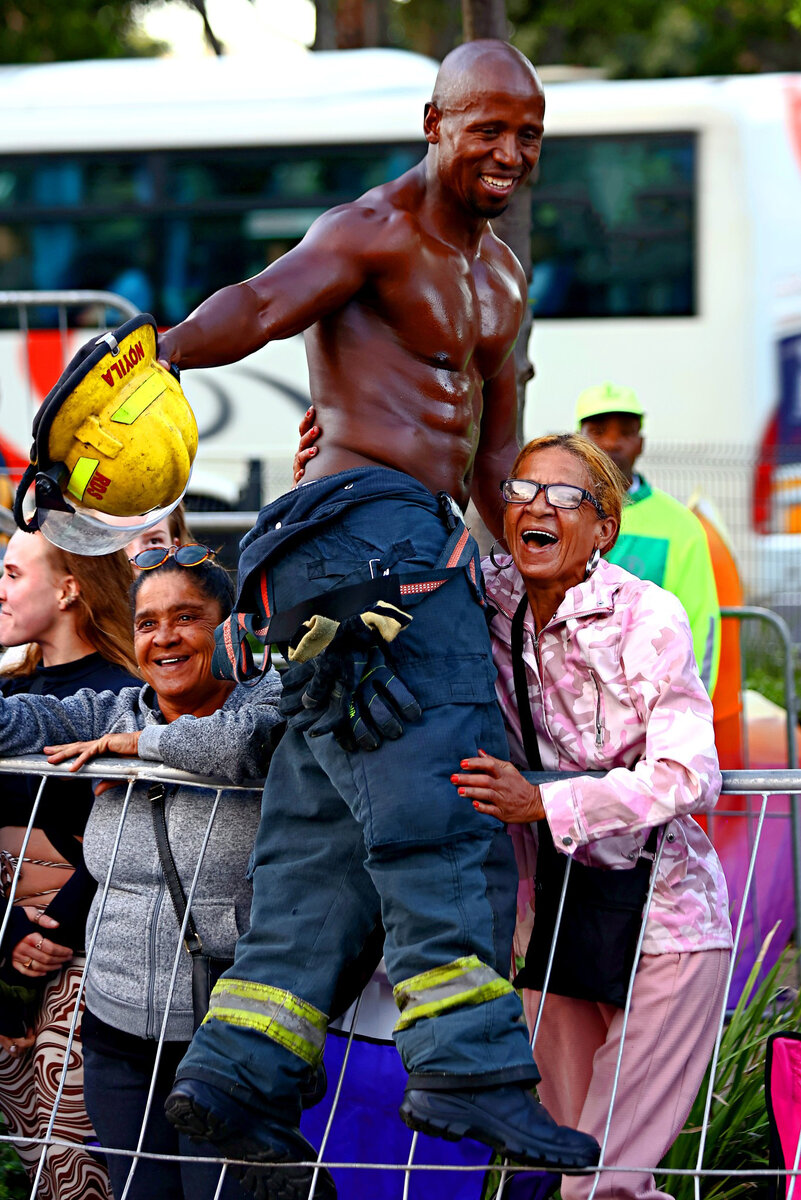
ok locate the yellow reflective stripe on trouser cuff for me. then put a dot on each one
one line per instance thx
(292, 1022)
(463, 981)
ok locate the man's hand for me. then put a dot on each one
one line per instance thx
(309, 433)
(36, 955)
(498, 789)
(124, 744)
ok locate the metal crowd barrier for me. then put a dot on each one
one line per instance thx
(763, 784)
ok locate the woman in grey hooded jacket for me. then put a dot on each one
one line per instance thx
(184, 718)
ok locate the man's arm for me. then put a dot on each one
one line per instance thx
(319, 276)
(497, 447)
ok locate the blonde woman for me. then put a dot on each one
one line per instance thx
(72, 615)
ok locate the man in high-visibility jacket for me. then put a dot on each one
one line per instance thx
(660, 539)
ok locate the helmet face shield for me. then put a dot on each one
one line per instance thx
(114, 443)
(83, 530)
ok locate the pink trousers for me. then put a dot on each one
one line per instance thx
(676, 1006)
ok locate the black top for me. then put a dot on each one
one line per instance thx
(65, 804)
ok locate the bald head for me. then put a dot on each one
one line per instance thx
(485, 63)
(484, 128)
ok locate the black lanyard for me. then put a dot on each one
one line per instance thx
(527, 730)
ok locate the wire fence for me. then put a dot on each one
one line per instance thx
(368, 1024)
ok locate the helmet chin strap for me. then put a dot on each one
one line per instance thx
(47, 493)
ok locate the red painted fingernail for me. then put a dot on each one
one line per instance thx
(313, 451)
(462, 792)
(308, 412)
(454, 778)
(475, 804)
(463, 764)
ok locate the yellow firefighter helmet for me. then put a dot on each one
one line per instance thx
(114, 443)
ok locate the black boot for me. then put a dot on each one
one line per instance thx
(508, 1118)
(208, 1114)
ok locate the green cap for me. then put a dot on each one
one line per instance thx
(608, 398)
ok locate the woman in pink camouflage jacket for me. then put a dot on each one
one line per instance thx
(612, 687)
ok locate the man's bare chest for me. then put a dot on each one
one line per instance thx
(450, 313)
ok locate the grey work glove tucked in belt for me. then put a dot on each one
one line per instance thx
(349, 688)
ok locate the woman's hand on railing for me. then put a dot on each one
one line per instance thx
(124, 744)
(498, 789)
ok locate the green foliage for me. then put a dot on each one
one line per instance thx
(770, 684)
(737, 1137)
(14, 1183)
(644, 39)
(34, 31)
(764, 661)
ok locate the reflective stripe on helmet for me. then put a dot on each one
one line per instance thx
(292, 1022)
(463, 981)
(82, 472)
(138, 401)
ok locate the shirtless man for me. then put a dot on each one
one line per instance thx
(410, 307)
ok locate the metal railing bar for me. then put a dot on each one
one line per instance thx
(335, 1101)
(126, 770)
(171, 987)
(722, 1020)
(551, 954)
(82, 984)
(18, 869)
(473, 1168)
(782, 629)
(627, 1010)
(132, 771)
(69, 298)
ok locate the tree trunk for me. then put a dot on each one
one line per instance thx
(487, 19)
(325, 32)
(484, 19)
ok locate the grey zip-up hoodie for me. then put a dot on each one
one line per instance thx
(130, 969)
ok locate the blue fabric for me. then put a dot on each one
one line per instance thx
(350, 840)
(367, 1129)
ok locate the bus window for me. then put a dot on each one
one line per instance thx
(613, 228)
(166, 228)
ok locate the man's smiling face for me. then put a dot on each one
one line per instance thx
(489, 135)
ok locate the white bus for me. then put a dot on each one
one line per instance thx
(666, 237)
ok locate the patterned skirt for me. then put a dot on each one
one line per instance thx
(28, 1089)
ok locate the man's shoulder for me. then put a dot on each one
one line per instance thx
(498, 255)
(390, 209)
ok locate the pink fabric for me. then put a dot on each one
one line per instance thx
(676, 1005)
(785, 1091)
(613, 687)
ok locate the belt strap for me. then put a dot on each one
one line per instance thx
(232, 656)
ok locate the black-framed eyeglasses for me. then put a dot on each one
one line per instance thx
(190, 555)
(558, 495)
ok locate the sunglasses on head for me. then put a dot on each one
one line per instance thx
(191, 555)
